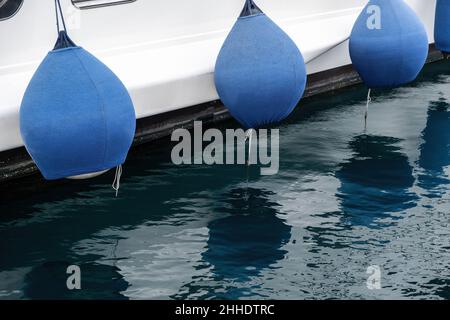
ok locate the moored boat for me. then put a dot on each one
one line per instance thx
(165, 51)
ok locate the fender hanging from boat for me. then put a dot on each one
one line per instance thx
(260, 73)
(388, 44)
(76, 117)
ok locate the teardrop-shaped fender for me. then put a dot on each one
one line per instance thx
(76, 116)
(260, 74)
(388, 44)
(442, 26)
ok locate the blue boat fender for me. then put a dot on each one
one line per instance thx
(388, 44)
(442, 26)
(76, 116)
(260, 73)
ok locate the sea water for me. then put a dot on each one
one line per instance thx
(352, 213)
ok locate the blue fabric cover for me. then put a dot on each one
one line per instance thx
(393, 55)
(76, 116)
(442, 25)
(260, 73)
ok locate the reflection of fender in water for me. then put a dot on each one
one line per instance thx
(376, 181)
(435, 150)
(250, 239)
(98, 281)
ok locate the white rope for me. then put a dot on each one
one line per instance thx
(116, 183)
(249, 137)
(369, 99)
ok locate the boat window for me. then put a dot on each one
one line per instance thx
(90, 4)
(8, 8)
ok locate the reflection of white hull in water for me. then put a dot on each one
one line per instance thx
(165, 51)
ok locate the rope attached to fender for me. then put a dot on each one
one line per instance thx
(369, 99)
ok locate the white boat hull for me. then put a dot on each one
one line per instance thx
(165, 51)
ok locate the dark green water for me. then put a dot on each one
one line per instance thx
(344, 200)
